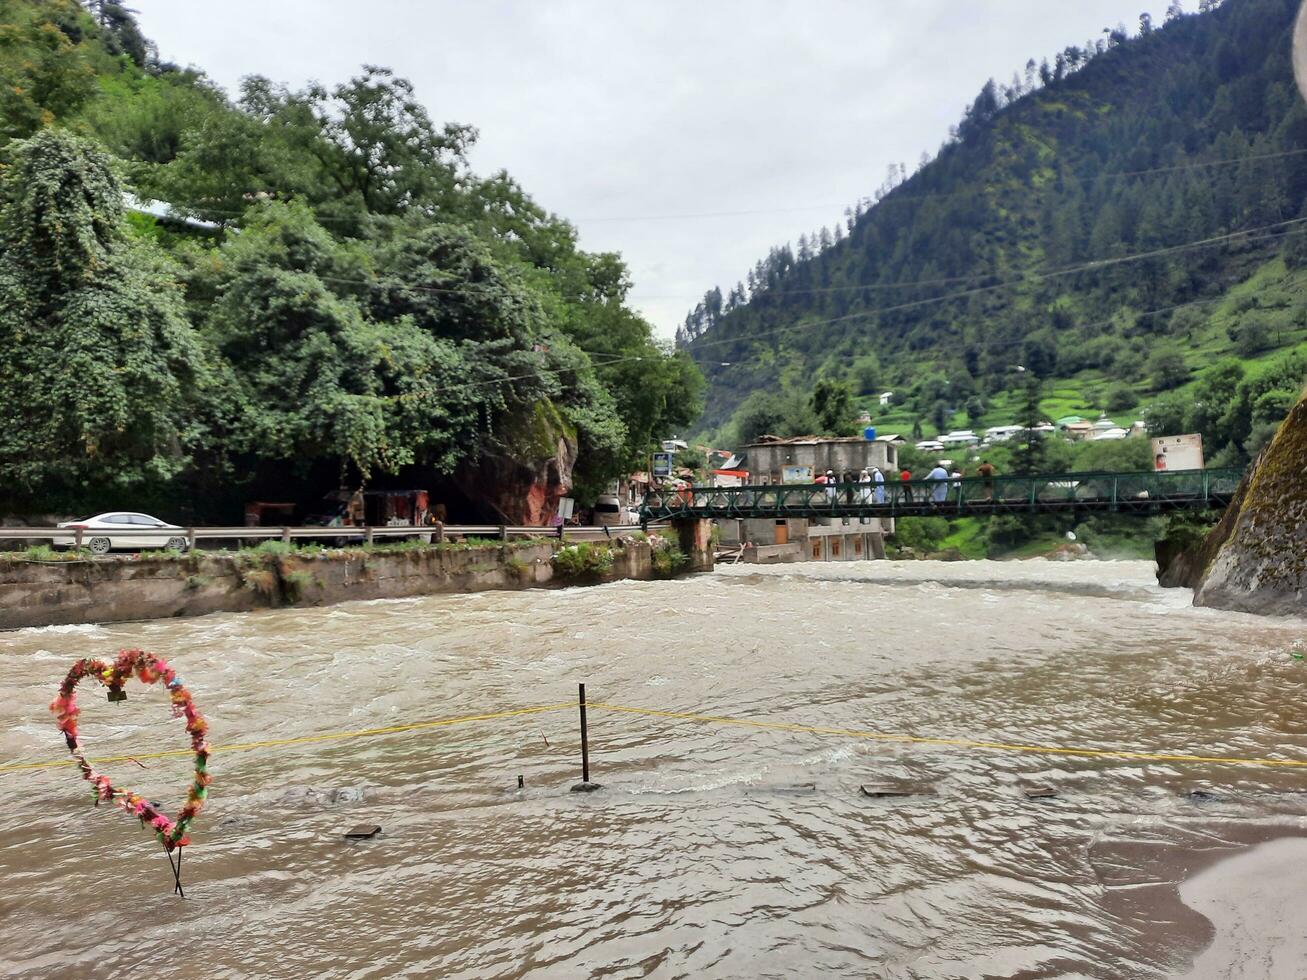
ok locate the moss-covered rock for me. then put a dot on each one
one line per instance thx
(1255, 560)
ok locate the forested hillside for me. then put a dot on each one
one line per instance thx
(1125, 222)
(330, 298)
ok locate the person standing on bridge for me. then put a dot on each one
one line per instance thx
(939, 492)
(830, 486)
(904, 477)
(986, 472)
(878, 479)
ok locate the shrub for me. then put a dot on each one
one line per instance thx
(921, 534)
(668, 559)
(295, 584)
(1168, 369)
(44, 552)
(582, 560)
(1121, 397)
(1253, 337)
(262, 581)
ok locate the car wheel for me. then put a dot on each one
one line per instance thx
(176, 544)
(99, 545)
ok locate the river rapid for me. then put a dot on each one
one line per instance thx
(712, 850)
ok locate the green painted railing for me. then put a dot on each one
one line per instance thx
(1127, 493)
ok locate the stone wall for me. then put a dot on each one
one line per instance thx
(131, 588)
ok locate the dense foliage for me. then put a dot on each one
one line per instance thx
(333, 298)
(1077, 223)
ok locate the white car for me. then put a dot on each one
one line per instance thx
(120, 529)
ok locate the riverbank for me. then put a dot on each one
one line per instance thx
(35, 592)
(1252, 901)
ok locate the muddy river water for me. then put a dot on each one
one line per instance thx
(712, 850)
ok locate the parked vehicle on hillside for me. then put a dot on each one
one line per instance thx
(121, 530)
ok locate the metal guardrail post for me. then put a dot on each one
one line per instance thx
(190, 539)
(77, 539)
(503, 533)
(439, 536)
(285, 535)
(368, 536)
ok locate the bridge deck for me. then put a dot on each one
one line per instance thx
(1125, 493)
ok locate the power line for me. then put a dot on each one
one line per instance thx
(891, 196)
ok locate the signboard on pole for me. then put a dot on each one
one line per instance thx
(661, 467)
(1177, 453)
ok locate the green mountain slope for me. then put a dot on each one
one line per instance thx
(1115, 226)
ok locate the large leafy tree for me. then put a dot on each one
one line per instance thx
(101, 366)
(315, 377)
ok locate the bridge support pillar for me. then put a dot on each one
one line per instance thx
(695, 539)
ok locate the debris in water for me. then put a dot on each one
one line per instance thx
(885, 791)
(586, 787)
(363, 831)
(1041, 791)
(793, 789)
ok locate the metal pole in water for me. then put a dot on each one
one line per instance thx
(584, 786)
(585, 740)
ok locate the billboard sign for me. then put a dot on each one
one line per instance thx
(661, 468)
(1177, 453)
(796, 474)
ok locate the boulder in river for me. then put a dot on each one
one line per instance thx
(1255, 559)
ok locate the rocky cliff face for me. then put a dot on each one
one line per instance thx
(1255, 560)
(522, 486)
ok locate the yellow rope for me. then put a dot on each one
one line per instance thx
(301, 740)
(779, 726)
(967, 743)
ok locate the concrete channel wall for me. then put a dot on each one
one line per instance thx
(119, 589)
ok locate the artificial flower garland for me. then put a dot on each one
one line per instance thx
(148, 669)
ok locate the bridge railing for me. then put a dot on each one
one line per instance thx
(973, 495)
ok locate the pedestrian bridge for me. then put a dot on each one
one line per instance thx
(1140, 494)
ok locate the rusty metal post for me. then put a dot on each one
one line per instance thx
(77, 539)
(190, 539)
(285, 535)
(439, 536)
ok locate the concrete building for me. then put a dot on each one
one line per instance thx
(801, 460)
(773, 542)
(770, 459)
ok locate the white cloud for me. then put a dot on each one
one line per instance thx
(660, 111)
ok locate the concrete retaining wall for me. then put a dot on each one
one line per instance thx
(131, 588)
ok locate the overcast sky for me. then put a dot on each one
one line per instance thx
(643, 121)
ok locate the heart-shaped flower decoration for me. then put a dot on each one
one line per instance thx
(148, 669)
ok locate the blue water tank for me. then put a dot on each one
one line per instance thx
(869, 433)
